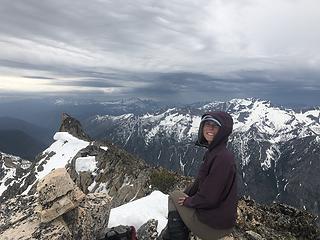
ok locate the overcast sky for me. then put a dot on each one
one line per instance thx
(171, 50)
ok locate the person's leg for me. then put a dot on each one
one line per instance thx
(171, 209)
(191, 220)
(176, 229)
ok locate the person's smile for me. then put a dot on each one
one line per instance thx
(210, 130)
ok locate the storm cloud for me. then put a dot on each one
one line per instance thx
(180, 51)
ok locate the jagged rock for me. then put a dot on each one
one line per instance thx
(56, 230)
(148, 231)
(275, 221)
(58, 194)
(18, 220)
(84, 180)
(251, 235)
(73, 126)
(90, 219)
(124, 176)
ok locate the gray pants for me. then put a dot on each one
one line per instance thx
(191, 220)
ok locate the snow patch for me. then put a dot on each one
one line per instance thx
(84, 164)
(65, 148)
(104, 148)
(138, 212)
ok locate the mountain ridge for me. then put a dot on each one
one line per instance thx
(262, 138)
(18, 142)
(100, 169)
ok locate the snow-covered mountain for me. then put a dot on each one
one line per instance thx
(267, 141)
(94, 166)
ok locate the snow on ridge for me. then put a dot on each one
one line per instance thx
(210, 105)
(272, 154)
(172, 123)
(308, 115)
(65, 136)
(243, 101)
(153, 117)
(10, 172)
(193, 131)
(101, 118)
(277, 122)
(24, 164)
(273, 120)
(122, 117)
(65, 148)
(17, 158)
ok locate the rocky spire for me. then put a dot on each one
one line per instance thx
(73, 126)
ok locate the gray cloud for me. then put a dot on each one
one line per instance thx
(96, 83)
(38, 77)
(190, 87)
(173, 50)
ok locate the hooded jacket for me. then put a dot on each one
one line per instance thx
(214, 192)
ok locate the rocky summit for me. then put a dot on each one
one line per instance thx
(72, 126)
(75, 183)
(60, 210)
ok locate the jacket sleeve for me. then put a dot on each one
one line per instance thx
(193, 188)
(210, 192)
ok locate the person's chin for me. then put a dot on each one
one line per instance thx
(209, 139)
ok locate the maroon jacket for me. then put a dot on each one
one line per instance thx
(214, 192)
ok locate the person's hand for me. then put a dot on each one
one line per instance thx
(181, 200)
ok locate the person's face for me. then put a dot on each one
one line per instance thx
(210, 130)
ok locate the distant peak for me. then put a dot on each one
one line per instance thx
(72, 126)
(249, 101)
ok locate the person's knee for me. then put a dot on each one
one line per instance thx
(176, 194)
(171, 205)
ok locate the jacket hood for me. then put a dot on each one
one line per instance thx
(222, 136)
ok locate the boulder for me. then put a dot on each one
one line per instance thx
(66, 217)
(18, 220)
(90, 219)
(148, 231)
(58, 194)
(55, 185)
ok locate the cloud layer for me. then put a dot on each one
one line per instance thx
(174, 50)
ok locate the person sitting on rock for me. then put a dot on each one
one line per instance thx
(208, 207)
